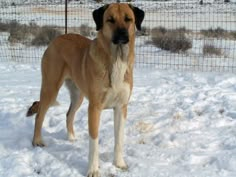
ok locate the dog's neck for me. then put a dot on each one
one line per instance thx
(117, 73)
(120, 59)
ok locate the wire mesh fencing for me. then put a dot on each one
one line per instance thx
(185, 35)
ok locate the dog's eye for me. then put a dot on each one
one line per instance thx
(111, 20)
(127, 19)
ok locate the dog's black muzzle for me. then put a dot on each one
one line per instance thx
(120, 36)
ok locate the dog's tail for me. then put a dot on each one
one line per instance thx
(33, 109)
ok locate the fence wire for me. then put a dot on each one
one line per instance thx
(185, 35)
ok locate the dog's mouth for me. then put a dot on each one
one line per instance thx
(120, 51)
(120, 37)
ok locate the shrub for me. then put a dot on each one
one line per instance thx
(45, 35)
(34, 29)
(4, 26)
(171, 40)
(18, 32)
(145, 31)
(233, 34)
(217, 33)
(28, 34)
(210, 49)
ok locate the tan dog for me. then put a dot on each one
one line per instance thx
(100, 70)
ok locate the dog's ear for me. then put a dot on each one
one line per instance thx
(98, 16)
(139, 16)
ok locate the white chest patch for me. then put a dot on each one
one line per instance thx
(119, 92)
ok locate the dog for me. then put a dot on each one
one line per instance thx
(100, 70)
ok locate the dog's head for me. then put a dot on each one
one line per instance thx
(117, 21)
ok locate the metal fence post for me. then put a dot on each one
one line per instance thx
(65, 16)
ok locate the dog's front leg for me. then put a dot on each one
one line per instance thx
(94, 119)
(119, 123)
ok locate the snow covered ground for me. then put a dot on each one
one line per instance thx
(180, 124)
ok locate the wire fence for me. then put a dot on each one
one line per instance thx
(185, 35)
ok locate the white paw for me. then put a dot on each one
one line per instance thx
(71, 137)
(93, 174)
(121, 164)
(38, 142)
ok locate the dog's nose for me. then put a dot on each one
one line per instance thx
(120, 36)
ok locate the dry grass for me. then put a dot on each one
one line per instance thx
(4, 26)
(210, 49)
(171, 40)
(145, 31)
(219, 33)
(45, 35)
(216, 33)
(18, 32)
(233, 34)
(31, 34)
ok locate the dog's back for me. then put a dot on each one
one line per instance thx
(64, 47)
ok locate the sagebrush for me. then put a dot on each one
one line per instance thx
(173, 40)
(45, 35)
(210, 49)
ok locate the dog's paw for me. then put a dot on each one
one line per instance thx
(39, 143)
(93, 174)
(121, 165)
(71, 137)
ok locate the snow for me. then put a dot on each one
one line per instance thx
(179, 124)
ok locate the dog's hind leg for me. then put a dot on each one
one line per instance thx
(52, 81)
(48, 96)
(76, 100)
